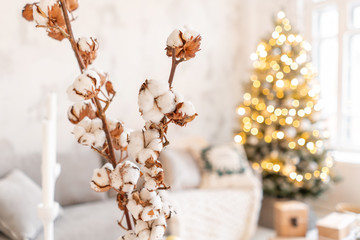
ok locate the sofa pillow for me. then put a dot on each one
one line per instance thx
(73, 184)
(180, 168)
(225, 166)
(18, 206)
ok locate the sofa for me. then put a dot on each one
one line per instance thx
(202, 213)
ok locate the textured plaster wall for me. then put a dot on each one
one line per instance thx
(132, 37)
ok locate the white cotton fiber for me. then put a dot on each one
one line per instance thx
(72, 94)
(85, 123)
(99, 138)
(144, 235)
(96, 124)
(157, 88)
(78, 132)
(166, 102)
(149, 214)
(174, 39)
(189, 34)
(136, 143)
(146, 154)
(155, 145)
(145, 100)
(187, 109)
(141, 226)
(151, 134)
(83, 84)
(88, 139)
(154, 115)
(134, 208)
(178, 97)
(157, 233)
(84, 44)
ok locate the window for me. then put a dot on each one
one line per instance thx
(336, 55)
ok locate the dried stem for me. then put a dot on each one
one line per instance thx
(101, 113)
(174, 64)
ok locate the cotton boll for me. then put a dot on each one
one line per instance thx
(84, 44)
(83, 84)
(157, 88)
(166, 102)
(160, 221)
(141, 226)
(131, 175)
(99, 138)
(145, 100)
(151, 134)
(144, 235)
(150, 184)
(75, 110)
(128, 188)
(100, 179)
(85, 123)
(187, 109)
(134, 209)
(136, 143)
(178, 97)
(78, 132)
(130, 235)
(147, 195)
(157, 233)
(72, 94)
(45, 4)
(124, 139)
(174, 39)
(149, 214)
(146, 154)
(156, 145)
(156, 202)
(96, 124)
(116, 179)
(154, 115)
(88, 139)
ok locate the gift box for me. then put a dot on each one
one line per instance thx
(291, 218)
(336, 226)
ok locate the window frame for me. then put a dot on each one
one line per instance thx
(345, 31)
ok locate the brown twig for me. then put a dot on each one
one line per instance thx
(101, 113)
(174, 64)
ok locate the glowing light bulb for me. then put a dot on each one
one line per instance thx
(247, 96)
(294, 82)
(301, 141)
(292, 145)
(280, 75)
(295, 103)
(269, 78)
(256, 83)
(280, 83)
(298, 38)
(275, 35)
(255, 166)
(301, 113)
(299, 178)
(282, 38)
(254, 131)
(310, 145)
(308, 176)
(281, 15)
(241, 111)
(253, 56)
(270, 108)
(293, 175)
(280, 135)
(277, 112)
(292, 112)
(260, 119)
(291, 38)
(323, 176)
(289, 120)
(276, 167)
(237, 138)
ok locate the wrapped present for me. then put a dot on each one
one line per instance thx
(291, 218)
(336, 226)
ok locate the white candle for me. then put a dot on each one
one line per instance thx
(49, 152)
(47, 166)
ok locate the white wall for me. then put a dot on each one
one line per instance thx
(132, 37)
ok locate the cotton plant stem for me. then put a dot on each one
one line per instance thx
(97, 102)
(174, 64)
(82, 68)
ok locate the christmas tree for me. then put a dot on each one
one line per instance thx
(279, 117)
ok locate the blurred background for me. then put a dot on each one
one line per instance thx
(132, 37)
